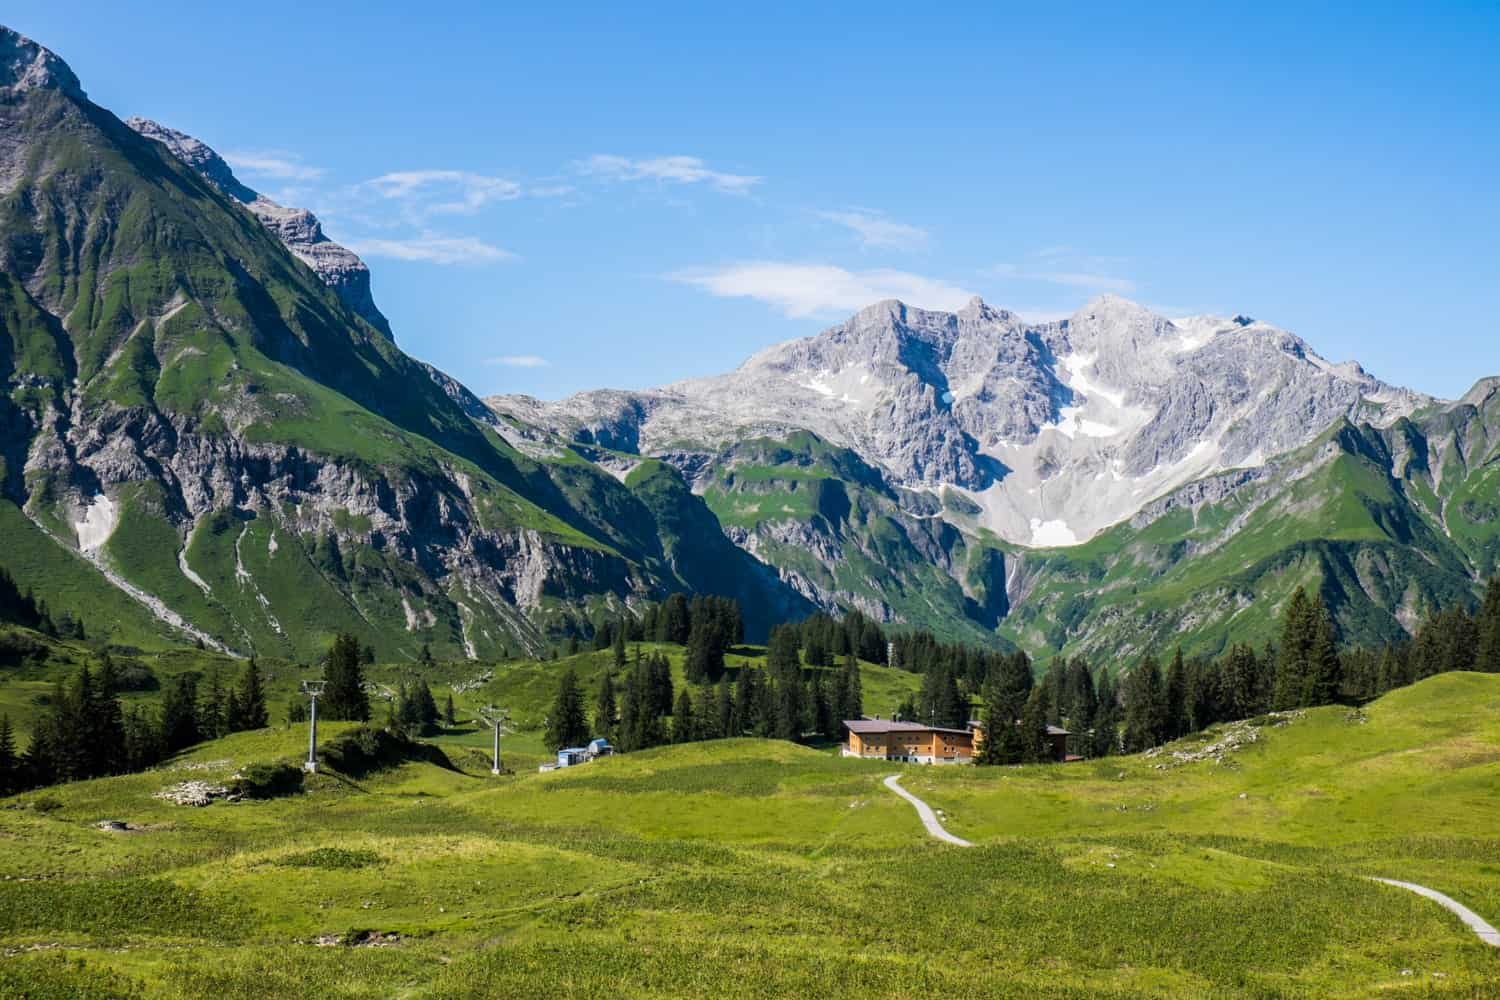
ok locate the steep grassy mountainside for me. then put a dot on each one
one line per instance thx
(755, 868)
(202, 435)
(1385, 524)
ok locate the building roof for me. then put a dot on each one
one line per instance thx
(1051, 730)
(871, 727)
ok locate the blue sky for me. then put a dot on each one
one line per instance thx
(559, 199)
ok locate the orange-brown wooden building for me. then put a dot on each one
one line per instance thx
(889, 739)
(913, 742)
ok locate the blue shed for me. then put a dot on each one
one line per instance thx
(571, 755)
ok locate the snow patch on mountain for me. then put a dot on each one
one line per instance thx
(1054, 430)
(99, 519)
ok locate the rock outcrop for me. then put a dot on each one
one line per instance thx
(1054, 430)
(339, 267)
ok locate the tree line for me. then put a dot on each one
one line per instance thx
(29, 611)
(1153, 704)
(87, 732)
(635, 706)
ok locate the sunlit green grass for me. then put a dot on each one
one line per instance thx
(758, 868)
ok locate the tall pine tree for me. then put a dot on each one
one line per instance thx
(344, 696)
(567, 725)
(1487, 653)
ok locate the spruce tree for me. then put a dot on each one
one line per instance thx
(211, 720)
(449, 719)
(1177, 697)
(1104, 733)
(252, 698)
(724, 705)
(179, 714)
(1145, 706)
(344, 696)
(567, 725)
(1079, 699)
(1324, 674)
(107, 721)
(854, 698)
(1487, 651)
(605, 711)
(682, 718)
(619, 646)
(1033, 728)
(10, 764)
(992, 748)
(659, 684)
(1298, 632)
(426, 706)
(745, 718)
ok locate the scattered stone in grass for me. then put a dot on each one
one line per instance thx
(1231, 739)
(474, 683)
(112, 826)
(359, 939)
(204, 765)
(1244, 795)
(195, 793)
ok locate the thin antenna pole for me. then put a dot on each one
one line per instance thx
(312, 689)
(497, 718)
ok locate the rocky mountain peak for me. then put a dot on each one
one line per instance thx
(1054, 430)
(26, 65)
(297, 228)
(1483, 391)
(198, 155)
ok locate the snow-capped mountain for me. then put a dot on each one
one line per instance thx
(1054, 431)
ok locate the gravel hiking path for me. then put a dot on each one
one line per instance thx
(1474, 921)
(929, 818)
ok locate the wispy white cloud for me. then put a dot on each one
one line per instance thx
(1089, 282)
(808, 289)
(273, 163)
(665, 169)
(1085, 280)
(444, 192)
(875, 230)
(518, 361)
(432, 249)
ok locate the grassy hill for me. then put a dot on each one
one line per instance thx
(757, 868)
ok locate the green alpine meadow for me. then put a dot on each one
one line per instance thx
(737, 604)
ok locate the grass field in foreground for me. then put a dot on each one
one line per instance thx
(757, 868)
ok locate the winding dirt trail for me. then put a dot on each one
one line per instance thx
(1472, 920)
(929, 818)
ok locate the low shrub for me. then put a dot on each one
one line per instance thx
(266, 781)
(332, 859)
(365, 750)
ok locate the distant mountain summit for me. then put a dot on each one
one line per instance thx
(1055, 430)
(297, 228)
(206, 430)
(25, 65)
